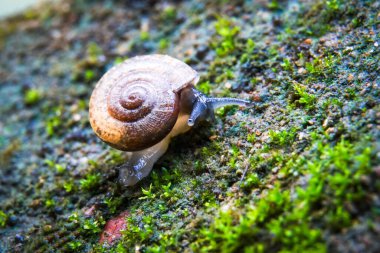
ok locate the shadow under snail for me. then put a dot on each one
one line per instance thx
(140, 104)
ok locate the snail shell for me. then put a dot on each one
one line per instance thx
(136, 103)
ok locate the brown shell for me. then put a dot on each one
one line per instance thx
(135, 104)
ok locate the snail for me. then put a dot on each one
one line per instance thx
(140, 104)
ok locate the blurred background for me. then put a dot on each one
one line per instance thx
(11, 7)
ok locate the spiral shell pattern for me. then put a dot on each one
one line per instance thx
(136, 103)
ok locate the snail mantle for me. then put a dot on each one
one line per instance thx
(140, 104)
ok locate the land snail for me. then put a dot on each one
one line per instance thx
(140, 104)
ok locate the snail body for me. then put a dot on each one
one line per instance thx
(140, 104)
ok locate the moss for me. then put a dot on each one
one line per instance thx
(69, 186)
(93, 51)
(163, 44)
(287, 65)
(53, 124)
(32, 97)
(169, 14)
(204, 87)
(321, 67)
(283, 137)
(305, 99)
(3, 219)
(50, 203)
(251, 137)
(90, 182)
(277, 221)
(306, 188)
(274, 5)
(227, 31)
(318, 19)
(144, 36)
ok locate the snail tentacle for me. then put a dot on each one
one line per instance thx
(199, 107)
(204, 106)
(215, 103)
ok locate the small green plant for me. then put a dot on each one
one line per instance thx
(53, 122)
(167, 192)
(89, 75)
(3, 219)
(204, 87)
(227, 31)
(144, 36)
(249, 48)
(60, 168)
(235, 152)
(283, 137)
(119, 60)
(321, 67)
(139, 231)
(69, 186)
(148, 193)
(287, 65)
(163, 44)
(90, 182)
(75, 245)
(251, 181)
(93, 52)
(251, 137)
(50, 203)
(274, 5)
(169, 14)
(306, 99)
(74, 217)
(333, 5)
(113, 203)
(32, 96)
(93, 226)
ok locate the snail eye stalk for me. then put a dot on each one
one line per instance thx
(204, 106)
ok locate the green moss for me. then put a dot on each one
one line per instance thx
(274, 220)
(251, 181)
(283, 137)
(3, 219)
(305, 99)
(251, 137)
(119, 60)
(227, 32)
(287, 65)
(148, 193)
(318, 20)
(32, 97)
(60, 168)
(274, 5)
(93, 226)
(113, 203)
(144, 36)
(163, 44)
(93, 52)
(291, 195)
(69, 186)
(204, 87)
(75, 245)
(89, 75)
(234, 153)
(50, 203)
(54, 123)
(169, 14)
(90, 182)
(322, 67)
